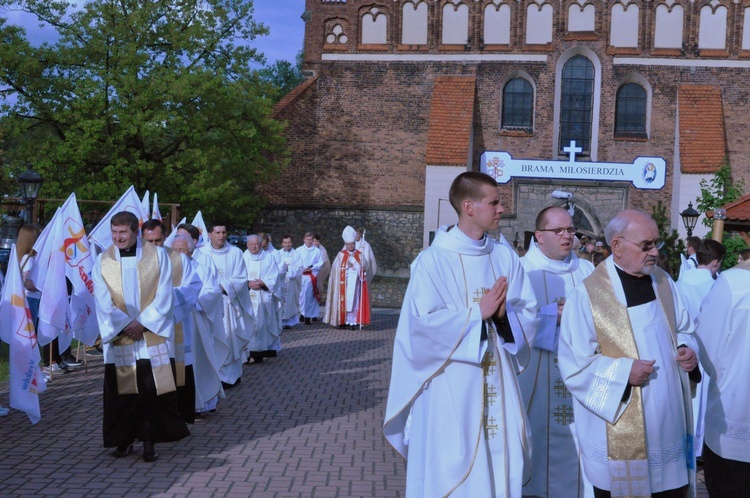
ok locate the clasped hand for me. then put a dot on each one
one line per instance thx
(493, 302)
(134, 330)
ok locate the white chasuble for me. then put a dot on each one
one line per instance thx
(290, 273)
(264, 266)
(454, 407)
(598, 383)
(724, 332)
(311, 258)
(549, 404)
(239, 320)
(210, 350)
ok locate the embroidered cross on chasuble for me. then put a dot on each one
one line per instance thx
(124, 347)
(626, 438)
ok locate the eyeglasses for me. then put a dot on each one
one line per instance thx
(559, 231)
(647, 245)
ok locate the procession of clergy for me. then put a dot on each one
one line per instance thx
(546, 377)
(177, 323)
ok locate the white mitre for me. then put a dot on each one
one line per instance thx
(349, 235)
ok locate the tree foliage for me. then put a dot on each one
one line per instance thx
(282, 76)
(673, 245)
(719, 191)
(160, 94)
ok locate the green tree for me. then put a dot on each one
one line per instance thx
(718, 191)
(282, 77)
(160, 94)
(673, 245)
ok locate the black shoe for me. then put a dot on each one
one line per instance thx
(257, 357)
(271, 353)
(123, 451)
(301, 318)
(307, 321)
(354, 327)
(71, 360)
(287, 327)
(226, 385)
(64, 366)
(314, 319)
(149, 452)
(342, 326)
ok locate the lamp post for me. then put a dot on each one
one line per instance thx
(30, 182)
(720, 214)
(690, 218)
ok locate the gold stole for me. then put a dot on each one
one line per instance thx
(148, 282)
(626, 439)
(179, 334)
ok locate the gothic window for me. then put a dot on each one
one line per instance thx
(374, 28)
(539, 24)
(518, 105)
(336, 35)
(630, 112)
(414, 29)
(668, 30)
(455, 23)
(624, 23)
(497, 23)
(581, 18)
(577, 103)
(712, 33)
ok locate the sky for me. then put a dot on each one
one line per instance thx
(282, 17)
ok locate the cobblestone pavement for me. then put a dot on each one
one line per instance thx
(305, 424)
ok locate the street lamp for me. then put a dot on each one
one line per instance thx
(690, 218)
(30, 182)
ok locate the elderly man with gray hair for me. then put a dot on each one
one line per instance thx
(626, 352)
(262, 281)
(205, 340)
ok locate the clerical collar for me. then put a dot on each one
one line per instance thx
(460, 235)
(638, 290)
(129, 252)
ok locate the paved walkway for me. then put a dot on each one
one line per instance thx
(305, 424)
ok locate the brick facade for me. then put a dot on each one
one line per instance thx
(359, 132)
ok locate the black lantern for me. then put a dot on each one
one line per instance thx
(690, 218)
(30, 182)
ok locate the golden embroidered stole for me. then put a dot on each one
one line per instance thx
(148, 282)
(179, 334)
(626, 438)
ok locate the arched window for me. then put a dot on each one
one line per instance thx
(630, 112)
(518, 104)
(577, 104)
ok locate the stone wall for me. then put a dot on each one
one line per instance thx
(394, 234)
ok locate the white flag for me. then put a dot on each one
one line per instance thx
(26, 378)
(170, 238)
(145, 207)
(43, 248)
(201, 226)
(101, 235)
(155, 213)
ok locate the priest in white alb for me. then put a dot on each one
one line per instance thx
(239, 320)
(554, 271)
(133, 294)
(186, 286)
(262, 280)
(290, 276)
(625, 353)
(312, 262)
(694, 286)
(205, 331)
(454, 407)
(724, 333)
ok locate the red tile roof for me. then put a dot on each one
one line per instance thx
(292, 96)
(451, 118)
(702, 140)
(737, 211)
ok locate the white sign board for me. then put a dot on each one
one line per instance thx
(643, 173)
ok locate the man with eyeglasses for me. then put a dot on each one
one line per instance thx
(554, 271)
(627, 348)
